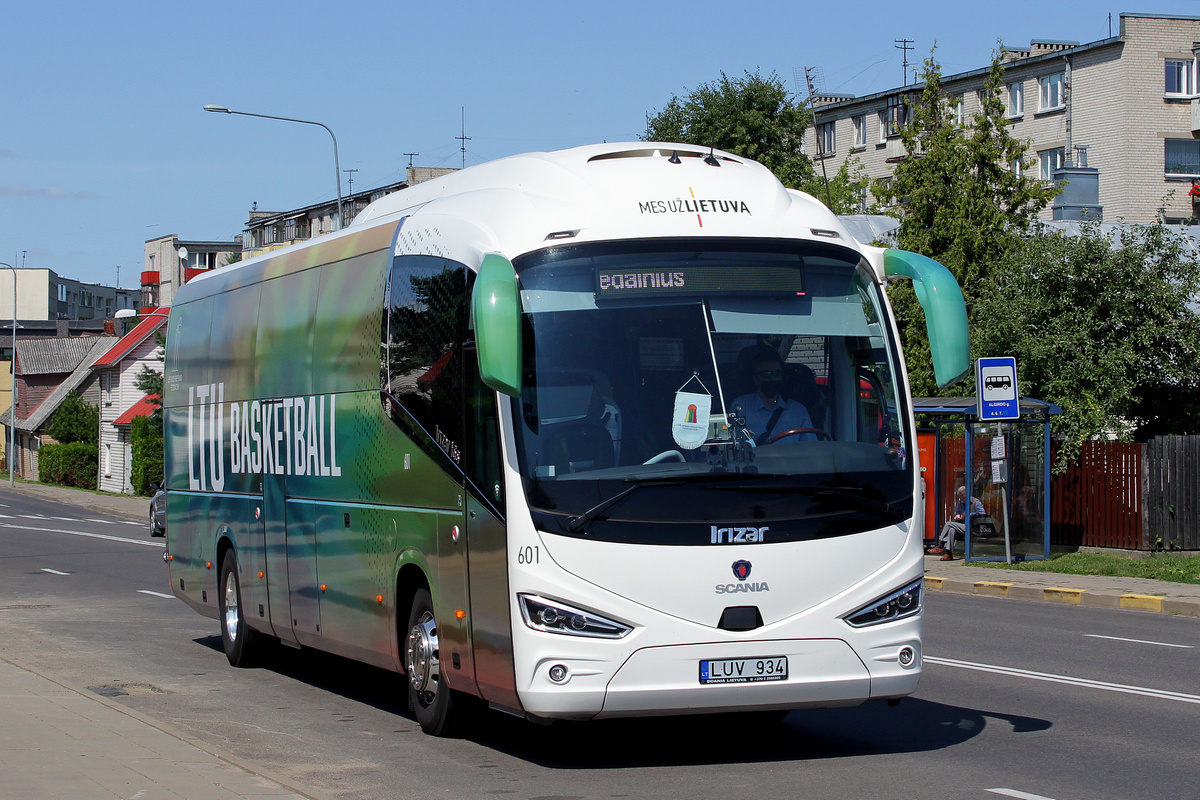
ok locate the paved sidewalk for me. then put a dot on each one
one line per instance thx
(127, 506)
(58, 741)
(61, 741)
(1135, 594)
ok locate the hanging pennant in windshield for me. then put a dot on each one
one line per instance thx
(689, 424)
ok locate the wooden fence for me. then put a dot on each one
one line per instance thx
(1098, 501)
(1172, 492)
(1130, 496)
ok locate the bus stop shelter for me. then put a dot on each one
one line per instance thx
(1006, 465)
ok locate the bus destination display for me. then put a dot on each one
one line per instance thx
(698, 280)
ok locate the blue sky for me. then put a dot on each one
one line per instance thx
(104, 143)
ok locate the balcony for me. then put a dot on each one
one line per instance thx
(151, 277)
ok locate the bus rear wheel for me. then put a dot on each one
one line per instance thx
(428, 696)
(240, 643)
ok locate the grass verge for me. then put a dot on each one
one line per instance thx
(1161, 568)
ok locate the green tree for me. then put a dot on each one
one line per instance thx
(751, 116)
(960, 200)
(1101, 325)
(76, 420)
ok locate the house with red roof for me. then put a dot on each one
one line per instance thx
(120, 399)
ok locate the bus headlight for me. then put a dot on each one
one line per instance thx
(551, 616)
(897, 605)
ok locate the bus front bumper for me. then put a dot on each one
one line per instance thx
(666, 680)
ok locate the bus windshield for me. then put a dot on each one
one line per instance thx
(675, 390)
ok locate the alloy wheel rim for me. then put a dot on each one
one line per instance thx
(422, 661)
(231, 607)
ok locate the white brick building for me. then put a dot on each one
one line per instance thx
(1131, 101)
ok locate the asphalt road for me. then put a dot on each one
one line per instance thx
(1019, 699)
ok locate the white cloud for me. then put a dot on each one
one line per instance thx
(55, 192)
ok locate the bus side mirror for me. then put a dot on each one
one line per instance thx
(496, 306)
(945, 312)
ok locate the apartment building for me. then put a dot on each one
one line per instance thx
(1118, 118)
(171, 262)
(271, 230)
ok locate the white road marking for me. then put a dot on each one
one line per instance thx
(88, 535)
(1161, 694)
(102, 521)
(1019, 795)
(156, 594)
(1137, 641)
(54, 571)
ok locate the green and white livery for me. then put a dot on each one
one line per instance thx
(611, 431)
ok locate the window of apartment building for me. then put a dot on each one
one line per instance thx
(153, 261)
(1181, 157)
(860, 130)
(898, 114)
(1016, 99)
(826, 139)
(62, 293)
(1049, 161)
(1050, 92)
(882, 126)
(1180, 77)
(1016, 167)
(958, 111)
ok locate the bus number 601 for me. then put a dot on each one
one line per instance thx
(528, 555)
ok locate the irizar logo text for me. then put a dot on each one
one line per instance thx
(746, 535)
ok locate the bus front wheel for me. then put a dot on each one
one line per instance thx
(428, 696)
(236, 636)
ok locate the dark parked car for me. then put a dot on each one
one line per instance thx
(158, 510)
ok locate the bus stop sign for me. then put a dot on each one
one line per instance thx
(996, 388)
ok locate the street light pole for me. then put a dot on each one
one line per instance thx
(12, 414)
(336, 164)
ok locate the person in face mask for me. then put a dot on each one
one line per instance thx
(766, 411)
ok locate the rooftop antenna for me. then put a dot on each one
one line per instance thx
(351, 171)
(463, 136)
(410, 158)
(812, 93)
(905, 45)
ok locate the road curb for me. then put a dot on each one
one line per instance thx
(1066, 596)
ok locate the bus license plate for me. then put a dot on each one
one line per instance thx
(744, 670)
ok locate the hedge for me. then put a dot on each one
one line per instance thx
(146, 447)
(74, 464)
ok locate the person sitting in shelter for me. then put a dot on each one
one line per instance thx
(766, 411)
(958, 525)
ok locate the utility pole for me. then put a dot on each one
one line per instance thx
(351, 173)
(463, 137)
(905, 45)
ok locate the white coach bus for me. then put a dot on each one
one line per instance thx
(612, 431)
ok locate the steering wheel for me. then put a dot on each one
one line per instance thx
(794, 431)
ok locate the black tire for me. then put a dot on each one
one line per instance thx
(428, 697)
(154, 529)
(241, 644)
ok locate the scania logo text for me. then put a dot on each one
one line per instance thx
(741, 535)
(741, 571)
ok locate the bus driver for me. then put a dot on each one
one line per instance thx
(766, 411)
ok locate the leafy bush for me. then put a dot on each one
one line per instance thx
(76, 420)
(73, 464)
(146, 445)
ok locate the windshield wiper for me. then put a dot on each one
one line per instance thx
(578, 524)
